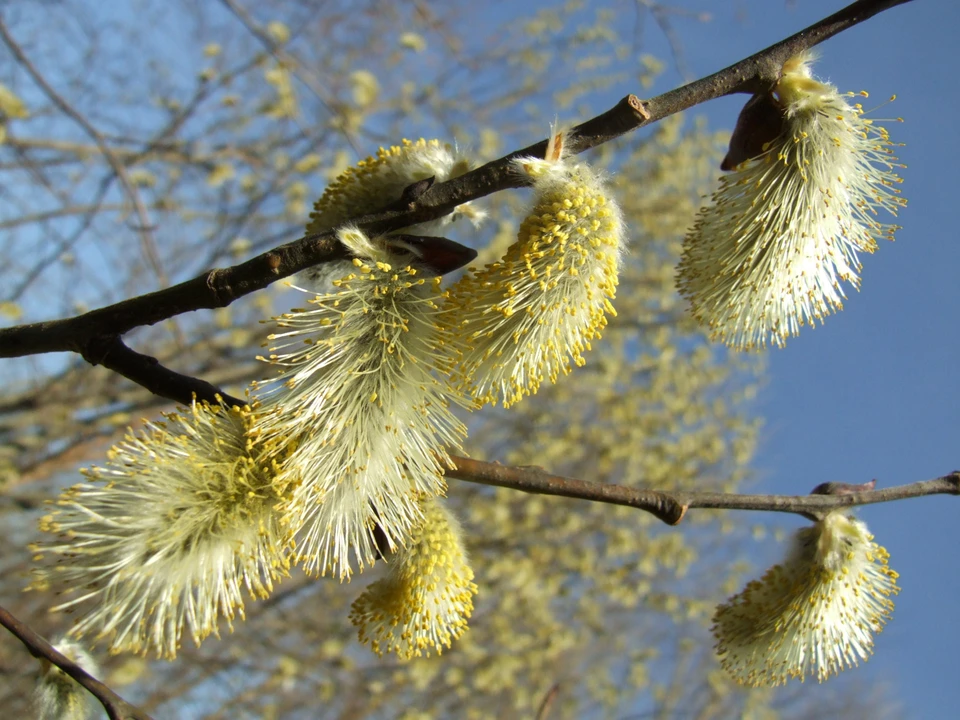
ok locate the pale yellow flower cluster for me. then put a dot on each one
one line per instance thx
(376, 181)
(164, 538)
(766, 258)
(528, 316)
(816, 613)
(424, 602)
(340, 457)
(785, 228)
(370, 420)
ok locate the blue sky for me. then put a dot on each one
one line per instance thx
(874, 393)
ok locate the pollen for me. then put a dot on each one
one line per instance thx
(162, 541)
(427, 597)
(815, 614)
(370, 364)
(528, 317)
(785, 228)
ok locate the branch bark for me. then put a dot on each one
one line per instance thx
(671, 506)
(146, 371)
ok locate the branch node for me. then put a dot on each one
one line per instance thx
(96, 350)
(213, 285)
(413, 192)
(679, 516)
(639, 107)
(954, 479)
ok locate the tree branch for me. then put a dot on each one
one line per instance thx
(146, 371)
(96, 334)
(117, 708)
(220, 287)
(213, 289)
(671, 506)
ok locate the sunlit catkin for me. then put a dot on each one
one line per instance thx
(425, 600)
(358, 398)
(814, 614)
(785, 228)
(527, 317)
(162, 540)
(380, 180)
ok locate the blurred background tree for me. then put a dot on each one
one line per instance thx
(145, 142)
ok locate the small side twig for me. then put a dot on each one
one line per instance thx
(539, 482)
(543, 712)
(146, 371)
(116, 707)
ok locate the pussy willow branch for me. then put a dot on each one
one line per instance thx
(670, 506)
(220, 287)
(117, 708)
(96, 335)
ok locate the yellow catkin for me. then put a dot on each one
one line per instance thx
(531, 315)
(427, 597)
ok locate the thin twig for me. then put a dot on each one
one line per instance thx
(290, 62)
(543, 712)
(670, 506)
(117, 708)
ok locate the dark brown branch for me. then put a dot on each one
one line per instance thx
(117, 708)
(213, 289)
(671, 506)
(218, 288)
(146, 371)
